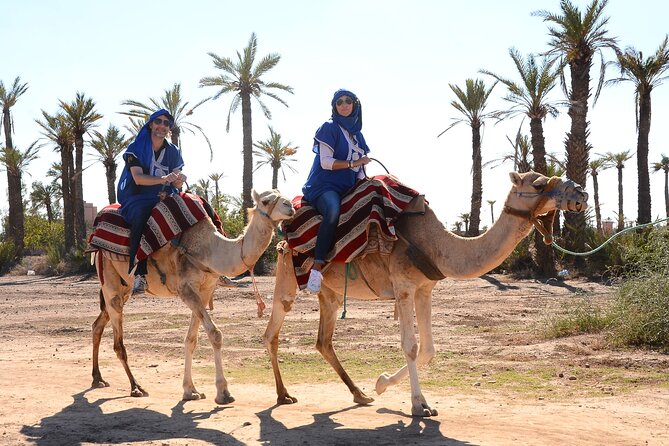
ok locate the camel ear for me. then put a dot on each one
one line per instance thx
(515, 178)
(256, 197)
(540, 182)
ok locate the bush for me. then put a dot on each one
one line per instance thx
(6, 255)
(579, 316)
(640, 312)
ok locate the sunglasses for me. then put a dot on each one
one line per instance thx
(165, 122)
(347, 101)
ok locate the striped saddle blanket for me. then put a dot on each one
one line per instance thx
(168, 219)
(366, 223)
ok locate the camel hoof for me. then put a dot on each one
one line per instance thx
(193, 396)
(138, 392)
(99, 384)
(382, 383)
(287, 399)
(423, 411)
(225, 399)
(363, 399)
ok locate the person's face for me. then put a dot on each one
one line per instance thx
(344, 106)
(160, 127)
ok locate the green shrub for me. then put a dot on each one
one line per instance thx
(6, 255)
(640, 312)
(578, 316)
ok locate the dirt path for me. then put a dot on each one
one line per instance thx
(484, 328)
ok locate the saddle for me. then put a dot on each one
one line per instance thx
(366, 224)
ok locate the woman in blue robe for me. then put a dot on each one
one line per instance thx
(152, 165)
(341, 153)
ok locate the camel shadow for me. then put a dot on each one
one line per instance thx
(326, 430)
(86, 422)
(500, 286)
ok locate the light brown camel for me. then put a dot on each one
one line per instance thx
(191, 272)
(395, 277)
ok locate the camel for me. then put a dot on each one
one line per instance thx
(533, 197)
(191, 272)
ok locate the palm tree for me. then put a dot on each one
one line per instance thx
(530, 98)
(174, 103)
(81, 117)
(15, 226)
(216, 177)
(663, 165)
(16, 161)
(108, 147)
(595, 166)
(575, 39)
(246, 81)
(472, 103)
(520, 155)
(275, 154)
(46, 196)
(645, 74)
(466, 219)
(618, 160)
(55, 129)
(203, 186)
(492, 211)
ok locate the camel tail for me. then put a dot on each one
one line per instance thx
(102, 301)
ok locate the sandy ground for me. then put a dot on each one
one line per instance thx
(488, 325)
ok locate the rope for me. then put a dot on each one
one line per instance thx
(384, 167)
(348, 265)
(592, 251)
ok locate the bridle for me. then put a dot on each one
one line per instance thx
(543, 223)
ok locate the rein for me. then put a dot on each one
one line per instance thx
(259, 302)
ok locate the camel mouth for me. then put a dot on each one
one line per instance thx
(574, 199)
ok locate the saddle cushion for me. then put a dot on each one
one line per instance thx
(169, 218)
(366, 223)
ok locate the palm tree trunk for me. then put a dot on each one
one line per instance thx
(621, 216)
(247, 144)
(598, 211)
(79, 221)
(545, 257)
(275, 177)
(643, 215)
(477, 182)
(111, 181)
(15, 227)
(68, 214)
(577, 149)
(666, 193)
(175, 137)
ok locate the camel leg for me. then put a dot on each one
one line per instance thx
(190, 392)
(419, 406)
(192, 298)
(328, 318)
(98, 329)
(115, 311)
(271, 340)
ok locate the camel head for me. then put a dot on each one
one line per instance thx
(537, 198)
(273, 205)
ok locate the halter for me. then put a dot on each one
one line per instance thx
(543, 223)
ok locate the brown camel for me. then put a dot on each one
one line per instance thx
(396, 277)
(191, 272)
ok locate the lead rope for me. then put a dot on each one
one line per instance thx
(348, 266)
(592, 251)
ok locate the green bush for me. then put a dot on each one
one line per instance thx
(578, 316)
(6, 255)
(640, 312)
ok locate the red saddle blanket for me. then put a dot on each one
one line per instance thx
(371, 207)
(169, 218)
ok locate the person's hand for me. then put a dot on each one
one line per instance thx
(170, 178)
(361, 162)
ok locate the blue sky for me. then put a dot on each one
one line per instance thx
(397, 56)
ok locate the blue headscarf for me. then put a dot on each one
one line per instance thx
(352, 122)
(141, 148)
